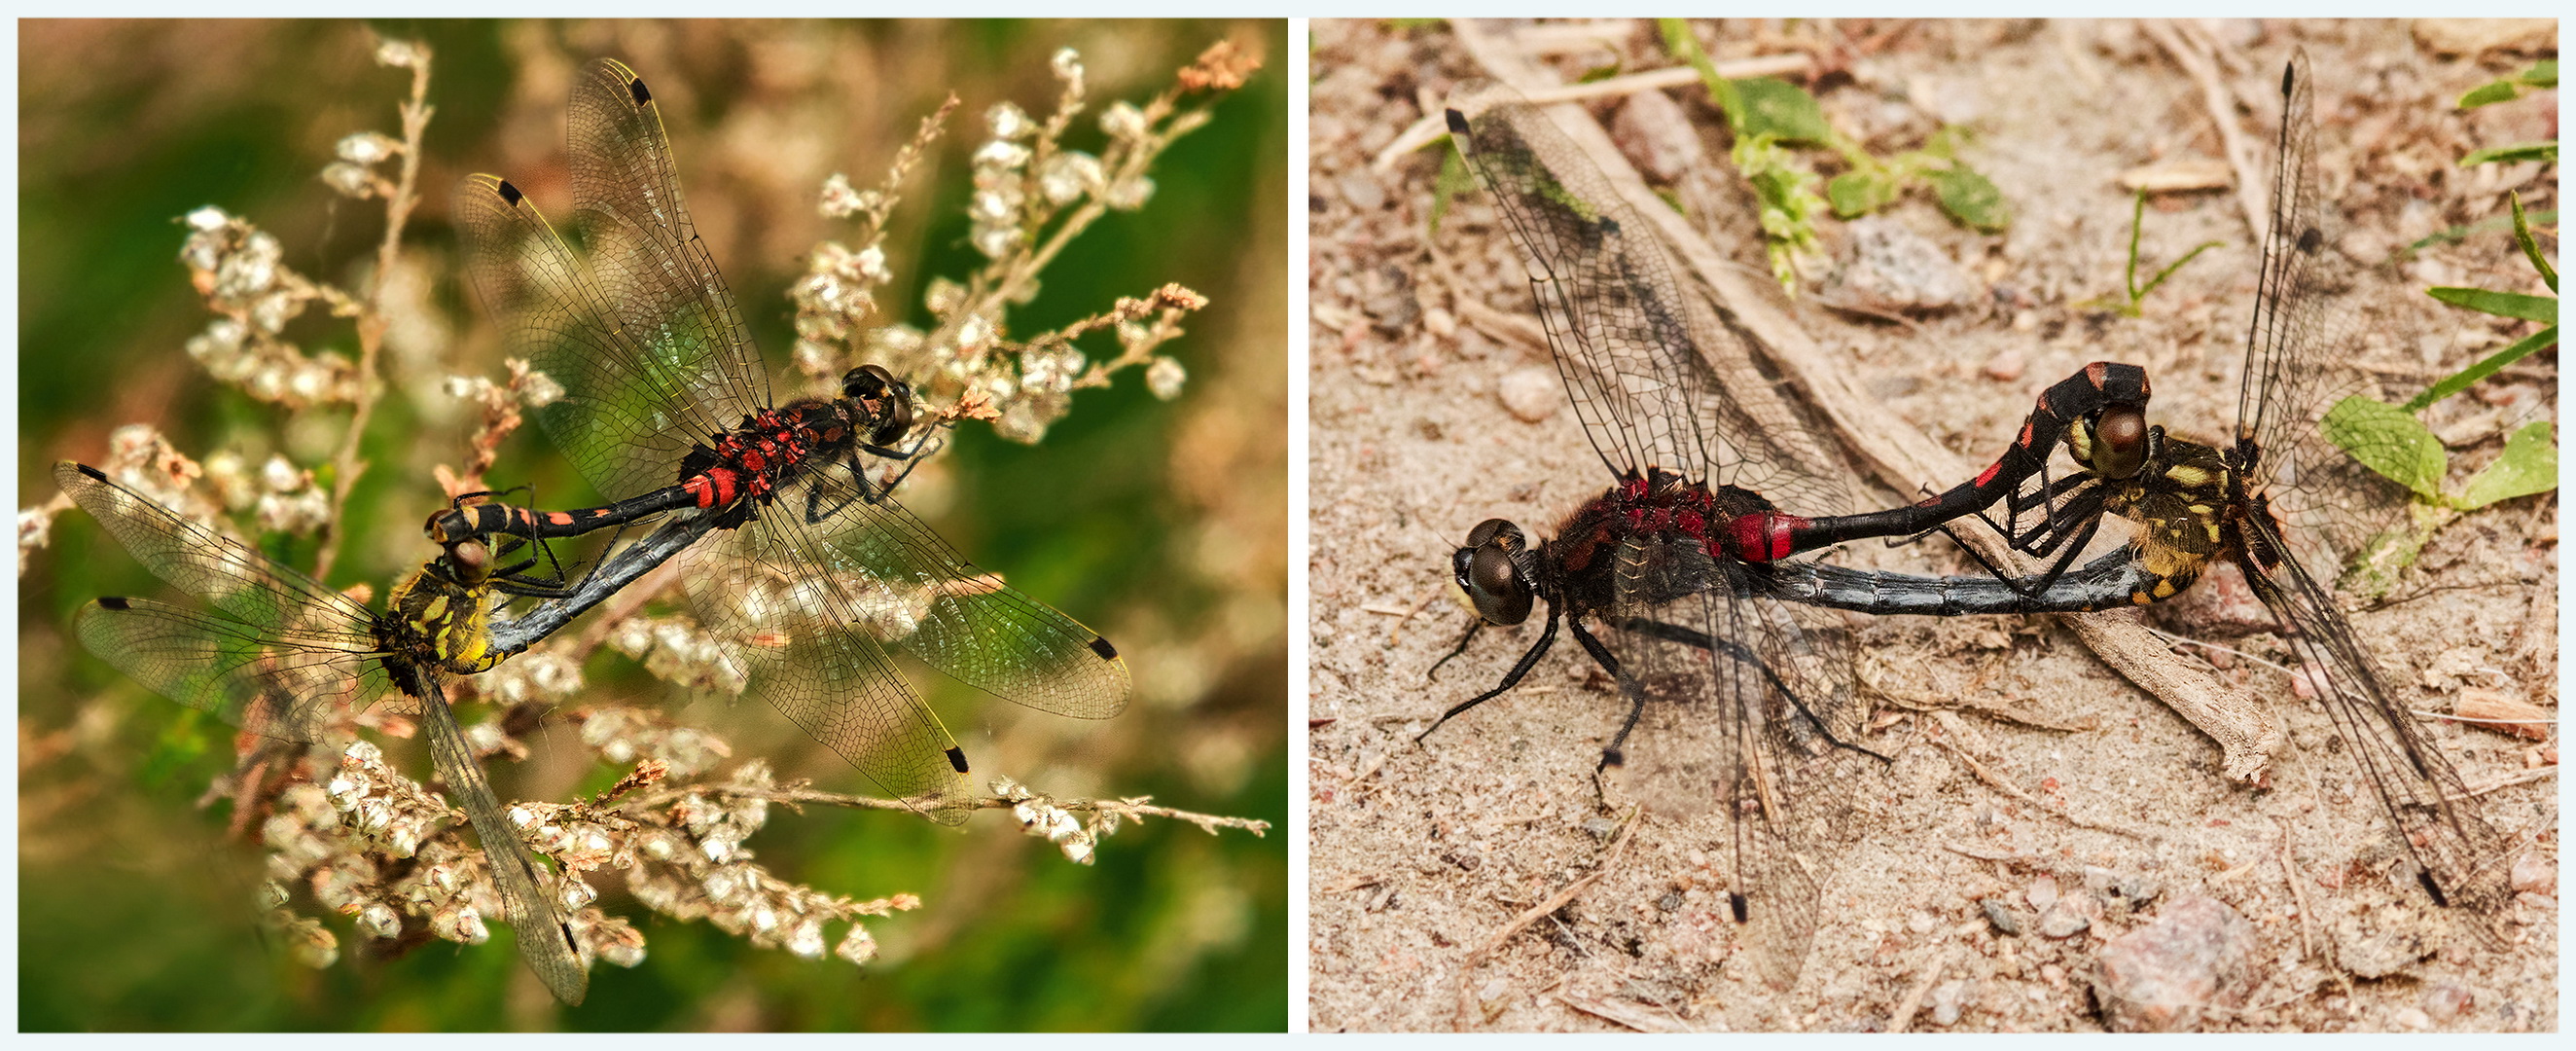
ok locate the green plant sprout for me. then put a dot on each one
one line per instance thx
(2542, 74)
(2137, 218)
(1765, 114)
(2394, 443)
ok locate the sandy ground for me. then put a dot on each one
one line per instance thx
(2024, 770)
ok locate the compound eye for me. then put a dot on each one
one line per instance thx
(890, 396)
(1495, 585)
(2119, 443)
(1493, 529)
(472, 558)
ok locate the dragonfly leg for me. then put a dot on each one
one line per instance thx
(1528, 660)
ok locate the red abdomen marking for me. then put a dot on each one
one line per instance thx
(1766, 536)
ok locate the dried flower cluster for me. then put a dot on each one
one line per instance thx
(240, 270)
(367, 843)
(281, 495)
(1032, 196)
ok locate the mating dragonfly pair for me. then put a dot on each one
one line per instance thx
(1740, 693)
(811, 574)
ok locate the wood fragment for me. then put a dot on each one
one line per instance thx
(1914, 997)
(1477, 956)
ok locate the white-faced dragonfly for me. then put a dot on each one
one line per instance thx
(815, 570)
(283, 656)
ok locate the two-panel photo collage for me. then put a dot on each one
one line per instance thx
(1296, 526)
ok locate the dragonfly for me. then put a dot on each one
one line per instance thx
(814, 571)
(1760, 726)
(2197, 504)
(1688, 550)
(287, 658)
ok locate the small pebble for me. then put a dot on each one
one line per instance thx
(2043, 892)
(2063, 920)
(1362, 190)
(1946, 1001)
(2446, 1002)
(1440, 321)
(1532, 393)
(2001, 916)
(2534, 873)
(2412, 1020)
(2005, 366)
(2161, 977)
(1892, 268)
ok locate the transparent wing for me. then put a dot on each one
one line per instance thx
(657, 272)
(268, 599)
(277, 655)
(1649, 375)
(2298, 364)
(2437, 821)
(641, 332)
(1744, 706)
(961, 620)
(810, 647)
(286, 688)
(544, 938)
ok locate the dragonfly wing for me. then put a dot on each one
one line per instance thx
(544, 938)
(809, 647)
(266, 597)
(658, 273)
(282, 688)
(960, 619)
(2438, 823)
(1745, 706)
(618, 419)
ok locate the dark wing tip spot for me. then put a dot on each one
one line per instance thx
(636, 88)
(2432, 888)
(114, 602)
(1457, 122)
(511, 193)
(1102, 647)
(90, 471)
(2310, 240)
(1742, 908)
(957, 758)
(2289, 78)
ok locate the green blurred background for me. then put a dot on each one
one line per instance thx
(1161, 524)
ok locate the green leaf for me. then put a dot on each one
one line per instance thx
(1454, 180)
(2490, 93)
(2390, 441)
(2544, 152)
(2460, 381)
(1782, 110)
(2542, 74)
(2529, 465)
(2542, 309)
(2464, 231)
(1971, 199)
(1856, 193)
(1684, 45)
(2531, 248)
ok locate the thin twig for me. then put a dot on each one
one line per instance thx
(1914, 997)
(1131, 807)
(371, 315)
(1477, 956)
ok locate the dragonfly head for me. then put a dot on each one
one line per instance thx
(468, 561)
(2117, 442)
(1492, 573)
(885, 399)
